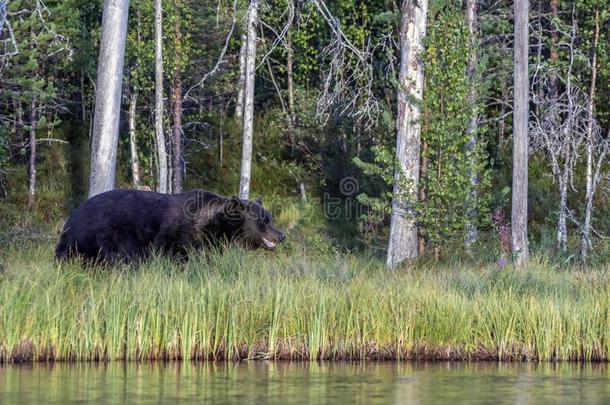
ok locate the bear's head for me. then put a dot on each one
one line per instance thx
(254, 227)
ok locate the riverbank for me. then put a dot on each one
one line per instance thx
(290, 305)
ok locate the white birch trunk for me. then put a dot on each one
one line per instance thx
(160, 136)
(473, 123)
(133, 143)
(246, 159)
(585, 240)
(520, 134)
(562, 229)
(239, 105)
(402, 244)
(105, 132)
(33, 157)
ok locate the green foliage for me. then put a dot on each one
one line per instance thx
(43, 35)
(451, 160)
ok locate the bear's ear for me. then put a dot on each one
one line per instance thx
(259, 200)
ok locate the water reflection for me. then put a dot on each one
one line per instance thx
(307, 383)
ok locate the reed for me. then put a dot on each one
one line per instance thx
(291, 305)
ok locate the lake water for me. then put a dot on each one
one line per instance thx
(281, 383)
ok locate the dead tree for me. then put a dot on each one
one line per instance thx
(108, 96)
(133, 142)
(559, 127)
(402, 244)
(473, 122)
(248, 126)
(520, 133)
(596, 148)
(160, 135)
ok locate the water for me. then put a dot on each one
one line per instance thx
(263, 382)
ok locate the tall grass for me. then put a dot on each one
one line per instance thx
(241, 304)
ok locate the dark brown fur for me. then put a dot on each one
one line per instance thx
(125, 225)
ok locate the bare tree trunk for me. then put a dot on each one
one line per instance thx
(177, 133)
(221, 139)
(290, 78)
(554, 55)
(502, 124)
(473, 124)
(402, 244)
(32, 161)
(133, 143)
(239, 105)
(586, 229)
(160, 136)
(562, 230)
(109, 85)
(177, 140)
(246, 159)
(83, 101)
(520, 134)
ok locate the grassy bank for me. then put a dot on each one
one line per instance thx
(292, 306)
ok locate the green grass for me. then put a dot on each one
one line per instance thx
(294, 305)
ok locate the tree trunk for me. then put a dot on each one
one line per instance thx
(246, 159)
(239, 105)
(177, 140)
(554, 54)
(221, 139)
(83, 100)
(19, 126)
(473, 123)
(520, 134)
(32, 161)
(109, 85)
(403, 229)
(586, 229)
(562, 230)
(177, 133)
(133, 144)
(290, 79)
(160, 136)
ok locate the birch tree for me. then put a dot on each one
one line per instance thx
(597, 148)
(403, 229)
(473, 123)
(133, 142)
(159, 134)
(108, 97)
(239, 105)
(246, 159)
(520, 133)
(177, 96)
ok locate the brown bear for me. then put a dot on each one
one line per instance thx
(126, 225)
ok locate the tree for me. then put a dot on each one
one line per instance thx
(596, 147)
(34, 50)
(520, 133)
(403, 229)
(160, 136)
(239, 104)
(108, 96)
(473, 123)
(246, 160)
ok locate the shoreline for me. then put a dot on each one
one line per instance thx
(289, 306)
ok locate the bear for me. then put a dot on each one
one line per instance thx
(127, 225)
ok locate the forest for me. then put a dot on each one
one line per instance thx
(457, 149)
